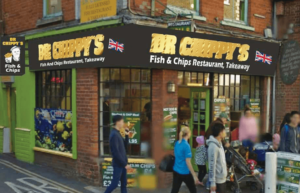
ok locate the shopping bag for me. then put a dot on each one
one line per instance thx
(166, 165)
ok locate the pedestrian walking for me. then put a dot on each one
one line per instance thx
(248, 129)
(118, 150)
(216, 159)
(183, 170)
(201, 158)
(290, 135)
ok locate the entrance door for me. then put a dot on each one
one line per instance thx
(200, 113)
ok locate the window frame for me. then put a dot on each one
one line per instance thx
(242, 22)
(101, 97)
(39, 89)
(181, 10)
(257, 79)
(45, 15)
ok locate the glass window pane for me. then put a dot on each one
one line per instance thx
(252, 86)
(237, 80)
(135, 90)
(125, 75)
(221, 79)
(232, 92)
(125, 90)
(245, 86)
(135, 75)
(216, 79)
(234, 10)
(257, 82)
(237, 105)
(187, 78)
(200, 78)
(68, 76)
(226, 91)
(180, 78)
(226, 79)
(146, 76)
(146, 90)
(194, 77)
(136, 105)
(237, 92)
(215, 91)
(114, 90)
(53, 6)
(221, 91)
(115, 74)
(125, 104)
(104, 89)
(232, 80)
(206, 79)
(104, 77)
(114, 104)
(186, 4)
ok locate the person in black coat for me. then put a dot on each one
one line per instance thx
(118, 150)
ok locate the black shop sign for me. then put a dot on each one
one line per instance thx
(150, 47)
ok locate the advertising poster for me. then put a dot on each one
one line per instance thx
(222, 105)
(255, 107)
(288, 172)
(135, 175)
(12, 60)
(133, 123)
(53, 129)
(170, 127)
(92, 10)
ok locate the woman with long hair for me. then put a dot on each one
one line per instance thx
(183, 169)
(286, 120)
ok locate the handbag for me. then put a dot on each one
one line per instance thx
(166, 165)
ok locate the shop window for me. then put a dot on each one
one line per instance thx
(236, 11)
(193, 78)
(125, 90)
(239, 88)
(52, 8)
(54, 89)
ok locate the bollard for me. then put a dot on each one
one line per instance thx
(271, 173)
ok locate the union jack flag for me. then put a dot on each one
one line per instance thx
(261, 57)
(114, 45)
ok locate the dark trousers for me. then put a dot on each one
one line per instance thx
(221, 188)
(119, 174)
(202, 172)
(187, 179)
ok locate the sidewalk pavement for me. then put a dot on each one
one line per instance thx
(19, 177)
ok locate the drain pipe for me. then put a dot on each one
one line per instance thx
(152, 8)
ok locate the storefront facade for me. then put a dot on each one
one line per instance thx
(158, 79)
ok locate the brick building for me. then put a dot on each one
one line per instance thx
(93, 93)
(287, 95)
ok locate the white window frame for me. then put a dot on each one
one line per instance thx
(245, 22)
(227, 2)
(45, 10)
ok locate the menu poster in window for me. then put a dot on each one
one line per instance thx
(53, 129)
(222, 105)
(255, 107)
(170, 127)
(135, 175)
(132, 121)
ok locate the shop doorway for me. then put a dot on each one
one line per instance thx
(194, 111)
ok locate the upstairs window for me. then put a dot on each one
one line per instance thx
(186, 4)
(236, 11)
(52, 8)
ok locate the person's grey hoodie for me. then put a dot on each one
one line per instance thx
(216, 162)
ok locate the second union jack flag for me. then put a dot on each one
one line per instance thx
(261, 57)
(114, 45)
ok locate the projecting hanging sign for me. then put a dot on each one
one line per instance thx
(150, 47)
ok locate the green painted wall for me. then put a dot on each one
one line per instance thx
(3, 106)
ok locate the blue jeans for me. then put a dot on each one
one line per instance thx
(119, 174)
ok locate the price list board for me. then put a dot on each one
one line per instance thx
(137, 176)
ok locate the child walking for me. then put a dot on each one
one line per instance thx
(201, 158)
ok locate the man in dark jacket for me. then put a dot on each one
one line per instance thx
(118, 150)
